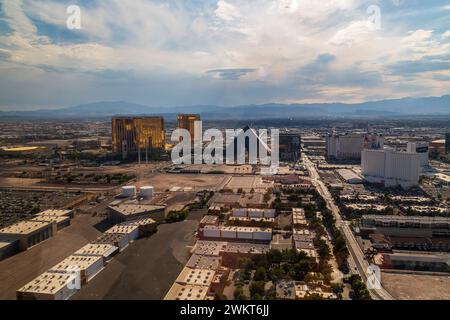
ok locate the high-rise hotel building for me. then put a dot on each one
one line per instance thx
(133, 135)
(187, 121)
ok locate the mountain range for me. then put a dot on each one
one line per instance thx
(383, 108)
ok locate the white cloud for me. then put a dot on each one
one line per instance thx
(226, 11)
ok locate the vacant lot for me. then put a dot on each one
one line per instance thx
(165, 181)
(417, 287)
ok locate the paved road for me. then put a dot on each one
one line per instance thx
(356, 259)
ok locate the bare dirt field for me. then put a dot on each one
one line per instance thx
(416, 287)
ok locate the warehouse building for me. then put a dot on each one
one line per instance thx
(57, 213)
(186, 292)
(120, 241)
(411, 260)
(8, 248)
(50, 286)
(28, 233)
(406, 226)
(129, 212)
(58, 222)
(198, 277)
(205, 262)
(237, 233)
(106, 251)
(86, 267)
(131, 231)
(147, 226)
(349, 176)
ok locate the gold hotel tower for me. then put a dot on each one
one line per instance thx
(133, 135)
(187, 121)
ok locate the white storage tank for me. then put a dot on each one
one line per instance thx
(245, 233)
(129, 191)
(262, 234)
(239, 212)
(255, 213)
(269, 213)
(147, 192)
(211, 232)
(228, 233)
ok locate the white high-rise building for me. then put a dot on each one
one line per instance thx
(349, 147)
(391, 168)
(422, 149)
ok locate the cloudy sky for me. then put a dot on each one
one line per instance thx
(222, 52)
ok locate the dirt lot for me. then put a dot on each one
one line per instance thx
(417, 287)
(20, 269)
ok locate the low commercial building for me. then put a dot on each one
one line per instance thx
(411, 260)
(237, 233)
(147, 226)
(304, 243)
(409, 226)
(234, 251)
(57, 213)
(58, 222)
(129, 212)
(349, 176)
(28, 233)
(304, 290)
(120, 241)
(186, 292)
(131, 231)
(8, 248)
(204, 262)
(209, 221)
(86, 267)
(198, 277)
(106, 251)
(209, 248)
(50, 286)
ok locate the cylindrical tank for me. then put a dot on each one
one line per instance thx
(147, 192)
(129, 191)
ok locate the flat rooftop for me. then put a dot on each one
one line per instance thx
(48, 283)
(96, 249)
(50, 219)
(132, 209)
(204, 262)
(122, 229)
(24, 228)
(241, 247)
(53, 212)
(81, 262)
(209, 248)
(186, 292)
(200, 277)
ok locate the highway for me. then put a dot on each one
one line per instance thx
(357, 259)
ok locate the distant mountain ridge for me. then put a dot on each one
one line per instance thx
(393, 107)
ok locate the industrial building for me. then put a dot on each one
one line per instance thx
(253, 212)
(147, 226)
(198, 277)
(136, 136)
(28, 233)
(86, 267)
(186, 292)
(58, 222)
(205, 262)
(391, 168)
(187, 122)
(132, 231)
(57, 213)
(411, 260)
(50, 286)
(406, 226)
(237, 233)
(129, 212)
(106, 251)
(349, 147)
(118, 240)
(349, 176)
(8, 248)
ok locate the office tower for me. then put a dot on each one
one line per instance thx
(391, 168)
(132, 136)
(187, 121)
